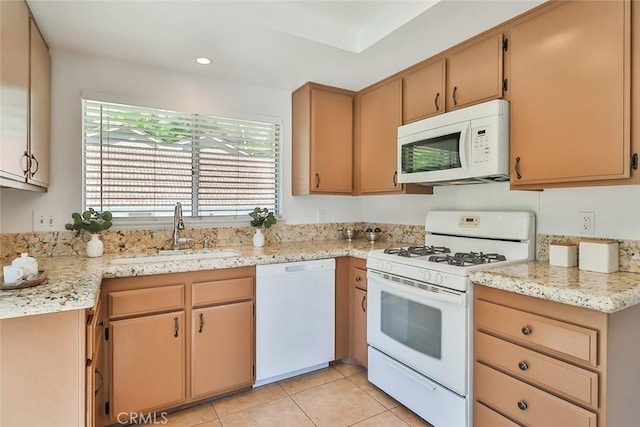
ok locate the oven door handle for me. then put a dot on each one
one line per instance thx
(410, 373)
(446, 296)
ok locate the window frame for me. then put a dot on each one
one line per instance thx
(158, 222)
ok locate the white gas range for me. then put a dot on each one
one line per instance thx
(419, 316)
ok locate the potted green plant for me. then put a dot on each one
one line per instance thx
(261, 217)
(94, 222)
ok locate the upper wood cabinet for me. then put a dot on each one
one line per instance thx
(424, 91)
(475, 72)
(322, 140)
(39, 109)
(25, 105)
(379, 113)
(570, 94)
(14, 87)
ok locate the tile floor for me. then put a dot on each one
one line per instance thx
(339, 395)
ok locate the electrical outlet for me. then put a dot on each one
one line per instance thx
(42, 221)
(587, 222)
(321, 215)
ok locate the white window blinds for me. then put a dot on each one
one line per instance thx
(138, 162)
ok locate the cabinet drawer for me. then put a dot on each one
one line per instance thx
(557, 338)
(554, 375)
(94, 329)
(221, 291)
(527, 404)
(485, 417)
(360, 278)
(141, 301)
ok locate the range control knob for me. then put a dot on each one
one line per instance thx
(426, 275)
(438, 278)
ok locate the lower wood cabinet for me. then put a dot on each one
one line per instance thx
(148, 362)
(222, 348)
(358, 311)
(542, 363)
(174, 339)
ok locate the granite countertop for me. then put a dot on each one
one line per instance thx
(73, 283)
(596, 291)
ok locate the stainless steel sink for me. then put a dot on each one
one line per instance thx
(178, 255)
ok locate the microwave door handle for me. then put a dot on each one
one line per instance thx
(465, 143)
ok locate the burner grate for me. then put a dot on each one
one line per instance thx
(416, 251)
(468, 258)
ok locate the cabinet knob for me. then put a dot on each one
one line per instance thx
(523, 366)
(522, 405)
(526, 330)
(517, 168)
(358, 279)
(34, 160)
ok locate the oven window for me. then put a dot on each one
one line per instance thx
(432, 154)
(415, 325)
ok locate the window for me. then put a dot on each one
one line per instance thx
(138, 162)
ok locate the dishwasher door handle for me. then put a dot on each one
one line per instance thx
(298, 267)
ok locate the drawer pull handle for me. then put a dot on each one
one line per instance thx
(363, 302)
(176, 327)
(201, 323)
(523, 366)
(522, 405)
(526, 330)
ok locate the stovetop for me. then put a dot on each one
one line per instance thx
(442, 254)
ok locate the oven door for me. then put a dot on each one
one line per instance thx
(425, 329)
(433, 155)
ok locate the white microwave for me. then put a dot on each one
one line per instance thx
(469, 145)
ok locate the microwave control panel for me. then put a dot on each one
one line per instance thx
(480, 147)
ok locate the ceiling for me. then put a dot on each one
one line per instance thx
(278, 44)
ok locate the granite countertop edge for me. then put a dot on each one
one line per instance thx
(602, 292)
(73, 282)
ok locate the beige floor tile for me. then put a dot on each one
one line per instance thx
(192, 416)
(282, 413)
(248, 399)
(348, 369)
(385, 419)
(338, 403)
(409, 417)
(312, 379)
(360, 379)
(212, 423)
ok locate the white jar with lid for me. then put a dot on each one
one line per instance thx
(28, 264)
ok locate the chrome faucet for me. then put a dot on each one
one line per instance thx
(178, 225)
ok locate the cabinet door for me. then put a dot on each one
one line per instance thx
(380, 115)
(331, 142)
(424, 92)
(96, 388)
(569, 94)
(222, 353)
(359, 332)
(474, 74)
(40, 109)
(148, 362)
(14, 89)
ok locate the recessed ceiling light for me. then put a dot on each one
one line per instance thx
(203, 61)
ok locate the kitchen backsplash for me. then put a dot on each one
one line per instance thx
(60, 243)
(629, 250)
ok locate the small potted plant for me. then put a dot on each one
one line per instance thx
(261, 217)
(94, 222)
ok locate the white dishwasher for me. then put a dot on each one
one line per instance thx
(295, 318)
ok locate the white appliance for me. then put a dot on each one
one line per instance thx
(419, 316)
(469, 145)
(295, 318)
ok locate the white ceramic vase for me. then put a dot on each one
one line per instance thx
(258, 238)
(94, 246)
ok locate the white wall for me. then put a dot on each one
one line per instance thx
(617, 209)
